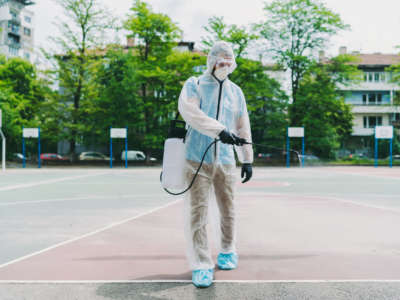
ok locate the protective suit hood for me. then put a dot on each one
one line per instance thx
(220, 51)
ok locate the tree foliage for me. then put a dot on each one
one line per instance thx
(294, 30)
(239, 36)
(155, 35)
(83, 32)
(267, 103)
(24, 99)
(321, 109)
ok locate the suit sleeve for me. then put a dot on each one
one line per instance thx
(245, 152)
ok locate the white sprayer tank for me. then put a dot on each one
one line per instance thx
(173, 164)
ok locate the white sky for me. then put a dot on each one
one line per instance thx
(375, 25)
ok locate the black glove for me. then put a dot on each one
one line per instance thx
(248, 170)
(229, 138)
(226, 137)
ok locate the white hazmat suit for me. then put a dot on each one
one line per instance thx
(210, 104)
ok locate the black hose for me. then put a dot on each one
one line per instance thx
(195, 175)
(204, 155)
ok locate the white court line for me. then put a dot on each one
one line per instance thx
(27, 185)
(215, 281)
(89, 234)
(77, 199)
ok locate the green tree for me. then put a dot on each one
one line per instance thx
(155, 36)
(266, 102)
(294, 30)
(82, 35)
(321, 109)
(218, 30)
(23, 99)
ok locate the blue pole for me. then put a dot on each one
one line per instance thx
(391, 148)
(39, 161)
(126, 148)
(110, 149)
(302, 151)
(23, 148)
(287, 150)
(376, 152)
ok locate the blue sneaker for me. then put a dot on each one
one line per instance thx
(227, 261)
(203, 278)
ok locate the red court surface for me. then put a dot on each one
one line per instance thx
(280, 237)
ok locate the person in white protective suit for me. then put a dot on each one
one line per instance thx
(214, 108)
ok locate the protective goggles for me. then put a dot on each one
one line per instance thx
(223, 62)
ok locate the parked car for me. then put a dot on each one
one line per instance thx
(53, 157)
(265, 156)
(394, 157)
(310, 158)
(93, 156)
(135, 155)
(20, 157)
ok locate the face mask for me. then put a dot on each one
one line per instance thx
(221, 73)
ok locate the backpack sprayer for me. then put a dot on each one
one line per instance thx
(172, 175)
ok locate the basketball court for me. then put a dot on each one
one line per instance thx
(303, 233)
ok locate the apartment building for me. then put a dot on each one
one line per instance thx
(16, 29)
(373, 99)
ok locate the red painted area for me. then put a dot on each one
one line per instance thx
(284, 238)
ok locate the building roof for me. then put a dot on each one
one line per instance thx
(365, 59)
(377, 59)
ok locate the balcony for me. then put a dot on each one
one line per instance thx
(370, 108)
(370, 86)
(360, 131)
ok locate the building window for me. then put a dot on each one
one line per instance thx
(27, 55)
(375, 76)
(364, 97)
(14, 27)
(13, 50)
(13, 14)
(13, 39)
(372, 121)
(371, 98)
(27, 31)
(28, 19)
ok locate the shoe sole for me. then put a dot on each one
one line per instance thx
(226, 269)
(203, 286)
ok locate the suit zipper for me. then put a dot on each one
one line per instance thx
(219, 101)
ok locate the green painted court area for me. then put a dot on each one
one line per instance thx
(303, 233)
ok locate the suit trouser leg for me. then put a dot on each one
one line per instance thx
(224, 185)
(196, 214)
